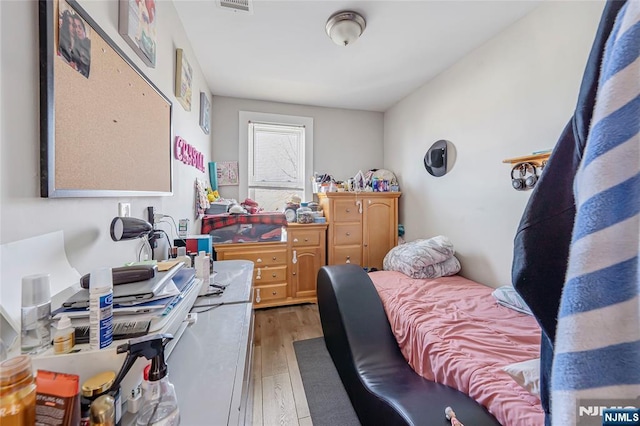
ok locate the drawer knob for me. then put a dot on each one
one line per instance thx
(295, 240)
(294, 273)
(306, 239)
(273, 275)
(258, 260)
(258, 295)
(348, 211)
(348, 259)
(348, 234)
(273, 258)
(274, 293)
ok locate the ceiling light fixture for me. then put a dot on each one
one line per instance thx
(345, 27)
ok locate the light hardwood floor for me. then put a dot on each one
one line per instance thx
(278, 394)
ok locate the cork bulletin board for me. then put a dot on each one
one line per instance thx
(105, 129)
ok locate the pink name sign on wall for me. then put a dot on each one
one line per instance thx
(188, 154)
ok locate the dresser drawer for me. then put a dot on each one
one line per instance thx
(269, 293)
(346, 211)
(260, 258)
(269, 274)
(311, 237)
(345, 234)
(350, 254)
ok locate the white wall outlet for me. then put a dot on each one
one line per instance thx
(124, 209)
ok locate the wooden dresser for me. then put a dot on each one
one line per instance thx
(363, 226)
(284, 273)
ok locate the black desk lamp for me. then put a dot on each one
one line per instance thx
(130, 228)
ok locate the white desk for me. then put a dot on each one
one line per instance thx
(237, 275)
(210, 366)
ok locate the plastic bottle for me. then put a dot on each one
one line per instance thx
(182, 257)
(18, 391)
(64, 336)
(161, 406)
(203, 271)
(36, 314)
(100, 308)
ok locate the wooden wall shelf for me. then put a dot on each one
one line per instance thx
(537, 159)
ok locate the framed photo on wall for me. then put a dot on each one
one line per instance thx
(184, 76)
(205, 113)
(137, 25)
(227, 173)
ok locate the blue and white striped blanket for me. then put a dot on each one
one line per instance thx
(597, 347)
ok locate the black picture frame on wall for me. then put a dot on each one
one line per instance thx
(104, 134)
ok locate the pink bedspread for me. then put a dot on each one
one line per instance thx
(452, 331)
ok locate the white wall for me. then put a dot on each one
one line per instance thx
(344, 141)
(510, 97)
(85, 221)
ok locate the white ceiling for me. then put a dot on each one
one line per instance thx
(282, 53)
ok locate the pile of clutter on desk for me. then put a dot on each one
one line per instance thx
(39, 385)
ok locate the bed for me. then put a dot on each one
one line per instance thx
(451, 330)
(406, 348)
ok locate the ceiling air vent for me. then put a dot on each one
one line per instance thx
(236, 5)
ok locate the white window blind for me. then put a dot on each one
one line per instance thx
(276, 163)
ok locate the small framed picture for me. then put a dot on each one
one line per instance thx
(205, 113)
(137, 25)
(184, 75)
(227, 173)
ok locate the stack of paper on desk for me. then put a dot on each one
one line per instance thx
(174, 284)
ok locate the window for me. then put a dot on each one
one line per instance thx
(276, 164)
(278, 153)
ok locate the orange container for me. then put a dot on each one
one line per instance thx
(17, 392)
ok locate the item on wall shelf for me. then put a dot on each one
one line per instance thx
(205, 113)
(435, 160)
(131, 125)
(184, 76)
(188, 154)
(528, 176)
(227, 173)
(538, 158)
(137, 25)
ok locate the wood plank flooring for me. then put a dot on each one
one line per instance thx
(278, 395)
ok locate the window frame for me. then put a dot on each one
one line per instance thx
(247, 117)
(253, 127)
